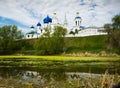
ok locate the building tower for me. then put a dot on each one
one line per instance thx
(54, 19)
(77, 20)
(47, 21)
(32, 28)
(39, 30)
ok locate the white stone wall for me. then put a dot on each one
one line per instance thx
(87, 32)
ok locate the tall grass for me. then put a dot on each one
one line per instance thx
(104, 81)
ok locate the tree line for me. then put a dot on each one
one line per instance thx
(113, 34)
(8, 35)
(51, 42)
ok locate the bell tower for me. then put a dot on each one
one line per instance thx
(77, 20)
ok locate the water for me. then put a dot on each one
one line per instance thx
(26, 73)
(40, 78)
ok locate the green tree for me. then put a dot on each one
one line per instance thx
(113, 30)
(116, 22)
(51, 42)
(8, 36)
(73, 33)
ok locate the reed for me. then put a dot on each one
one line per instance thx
(104, 81)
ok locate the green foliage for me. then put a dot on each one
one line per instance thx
(51, 42)
(42, 45)
(25, 46)
(8, 35)
(93, 44)
(73, 33)
(116, 22)
(59, 31)
(113, 30)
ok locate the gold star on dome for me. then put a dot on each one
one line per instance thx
(77, 13)
(54, 13)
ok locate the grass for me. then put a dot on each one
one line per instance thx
(104, 81)
(93, 44)
(63, 58)
(67, 63)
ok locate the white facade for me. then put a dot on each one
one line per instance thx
(88, 32)
(31, 36)
(77, 30)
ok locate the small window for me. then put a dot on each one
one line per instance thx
(76, 22)
(76, 31)
(32, 35)
(28, 36)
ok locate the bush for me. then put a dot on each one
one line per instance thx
(51, 43)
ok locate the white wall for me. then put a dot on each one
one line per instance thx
(87, 32)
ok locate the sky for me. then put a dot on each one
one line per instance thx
(25, 13)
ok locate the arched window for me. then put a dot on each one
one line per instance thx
(28, 36)
(76, 23)
(76, 31)
(32, 35)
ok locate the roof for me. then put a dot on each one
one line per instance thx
(32, 32)
(38, 24)
(47, 20)
(78, 17)
(32, 26)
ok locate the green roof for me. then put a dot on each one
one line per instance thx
(32, 32)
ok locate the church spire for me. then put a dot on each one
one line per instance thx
(65, 21)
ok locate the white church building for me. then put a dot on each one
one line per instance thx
(76, 31)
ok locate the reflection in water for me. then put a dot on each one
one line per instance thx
(43, 79)
(40, 77)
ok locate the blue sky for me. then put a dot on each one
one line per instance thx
(25, 13)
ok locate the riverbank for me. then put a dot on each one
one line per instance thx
(66, 63)
(84, 46)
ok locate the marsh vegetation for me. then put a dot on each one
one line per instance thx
(59, 72)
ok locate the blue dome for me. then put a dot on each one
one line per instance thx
(78, 17)
(47, 20)
(38, 24)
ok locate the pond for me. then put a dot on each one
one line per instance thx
(24, 73)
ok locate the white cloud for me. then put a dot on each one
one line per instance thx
(28, 12)
(13, 11)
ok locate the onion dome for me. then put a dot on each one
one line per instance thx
(78, 17)
(38, 24)
(47, 20)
